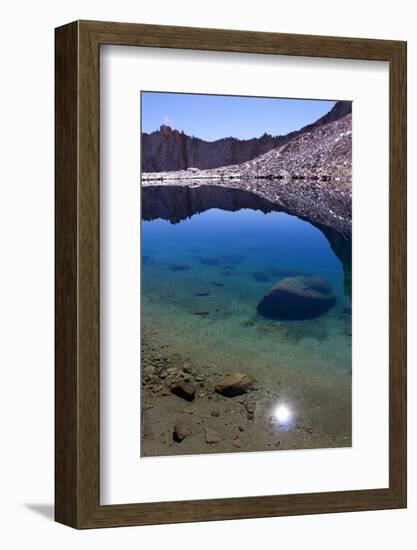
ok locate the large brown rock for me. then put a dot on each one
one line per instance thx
(235, 384)
(184, 390)
(297, 298)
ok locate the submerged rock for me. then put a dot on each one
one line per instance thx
(202, 292)
(297, 298)
(184, 390)
(201, 313)
(179, 267)
(212, 436)
(149, 372)
(181, 431)
(235, 384)
(250, 410)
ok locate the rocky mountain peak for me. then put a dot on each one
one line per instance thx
(164, 129)
(168, 149)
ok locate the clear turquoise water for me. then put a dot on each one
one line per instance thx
(203, 277)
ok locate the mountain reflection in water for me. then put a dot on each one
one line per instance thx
(175, 203)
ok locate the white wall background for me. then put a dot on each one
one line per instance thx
(26, 274)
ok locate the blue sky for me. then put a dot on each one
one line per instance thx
(211, 117)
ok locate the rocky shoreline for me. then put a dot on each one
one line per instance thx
(214, 412)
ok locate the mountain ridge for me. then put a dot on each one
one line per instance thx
(310, 176)
(168, 149)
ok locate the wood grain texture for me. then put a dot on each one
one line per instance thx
(66, 237)
(78, 285)
(398, 273)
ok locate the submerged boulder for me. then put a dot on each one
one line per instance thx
(297, 298)
(235, 384)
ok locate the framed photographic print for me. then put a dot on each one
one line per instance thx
(230, 274)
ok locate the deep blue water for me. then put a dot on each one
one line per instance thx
(247, 251)
(203, 277)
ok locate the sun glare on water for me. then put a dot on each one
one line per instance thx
(282, 414)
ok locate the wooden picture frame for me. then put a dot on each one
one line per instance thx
(77, 403)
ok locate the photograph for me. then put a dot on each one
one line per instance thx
(246, 263)
(209, 206)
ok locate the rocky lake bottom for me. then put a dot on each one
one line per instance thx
(202, 280)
